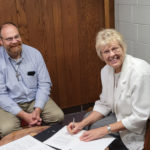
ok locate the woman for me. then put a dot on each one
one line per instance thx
(124, 104)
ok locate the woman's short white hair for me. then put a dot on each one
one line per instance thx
(106, 37)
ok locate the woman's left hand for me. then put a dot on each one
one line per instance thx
(94, 134)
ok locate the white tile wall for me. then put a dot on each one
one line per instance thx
(117, 12)
(144, 34)
(130, 45)
(126, 2)
(142, 50)
(132, 19)
(128, 30)
(141, 14)
(125, 12)
(144, 2)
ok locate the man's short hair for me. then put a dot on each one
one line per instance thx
(7, 23)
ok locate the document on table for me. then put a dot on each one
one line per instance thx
(26, 143)
(65, 141)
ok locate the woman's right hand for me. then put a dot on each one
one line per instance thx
(74, 128)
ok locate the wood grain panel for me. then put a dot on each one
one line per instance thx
(91, 19)
(111, 14)
(22, 20)
(61, 92)
(71, 51)
(5, 15)
(51, 53)
(35, 23)
(8, 11)
(64, 31)
(147, 136)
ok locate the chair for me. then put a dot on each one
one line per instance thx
(147, 137)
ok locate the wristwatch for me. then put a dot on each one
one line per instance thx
(109, 129)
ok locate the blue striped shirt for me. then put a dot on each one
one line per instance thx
(31, 83)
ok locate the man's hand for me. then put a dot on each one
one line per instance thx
(36, 115)
(33, 118)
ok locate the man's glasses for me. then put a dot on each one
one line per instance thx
(10, 39)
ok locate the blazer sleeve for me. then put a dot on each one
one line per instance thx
(103, 105)
(140, 104)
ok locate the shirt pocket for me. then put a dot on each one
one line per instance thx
(31, 80)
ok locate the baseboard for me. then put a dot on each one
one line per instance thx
(79, 108)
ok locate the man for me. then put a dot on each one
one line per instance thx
(24, 84)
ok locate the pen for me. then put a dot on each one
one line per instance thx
(73, 124)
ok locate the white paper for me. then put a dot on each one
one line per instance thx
(26, 143)
(65, 141)
(62, 139)
(100, 144)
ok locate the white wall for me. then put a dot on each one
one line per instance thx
(132, 19)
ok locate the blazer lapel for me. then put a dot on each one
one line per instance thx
(110, 85)
(123, 76)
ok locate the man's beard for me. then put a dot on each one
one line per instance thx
(19, 43)
(15, 50)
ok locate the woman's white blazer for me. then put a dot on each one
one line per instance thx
(132, 104)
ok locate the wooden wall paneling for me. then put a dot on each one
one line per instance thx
(34, 16)
(64, 31)
(109, 13)
(22, 20)
(106, 12)
(91, 20)
(50, 47)
(71, 52)
(8, 11)
(60, 51)
(147, 136)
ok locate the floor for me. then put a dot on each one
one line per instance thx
(76, 112)
(78, 116)
(57, 126)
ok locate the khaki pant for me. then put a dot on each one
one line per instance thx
(50, 114)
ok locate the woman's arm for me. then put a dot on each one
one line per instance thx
(74, 128)
(97, 133)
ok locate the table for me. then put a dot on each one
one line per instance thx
(20, 133)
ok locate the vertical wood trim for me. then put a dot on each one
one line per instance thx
(107, 17)
(147, 136)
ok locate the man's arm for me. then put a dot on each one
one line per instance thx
(44, 83)
(6, 102)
